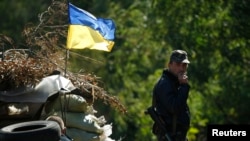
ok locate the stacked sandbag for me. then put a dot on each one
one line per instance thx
(79, 118)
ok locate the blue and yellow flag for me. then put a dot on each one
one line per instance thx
(87, 31)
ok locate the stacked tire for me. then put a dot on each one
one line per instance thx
(31, 131)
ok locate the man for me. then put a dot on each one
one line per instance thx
(170, 96)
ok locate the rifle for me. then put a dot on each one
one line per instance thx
(153, 114)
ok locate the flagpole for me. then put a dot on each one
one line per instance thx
(66, 62)
(67, 50)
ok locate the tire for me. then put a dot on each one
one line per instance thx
(31, 131)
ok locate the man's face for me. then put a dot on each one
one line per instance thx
(178, 68)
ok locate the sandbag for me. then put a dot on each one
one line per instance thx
(80, 135)
(68, 102)
(81, 121)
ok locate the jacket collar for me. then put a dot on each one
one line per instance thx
(170, 75)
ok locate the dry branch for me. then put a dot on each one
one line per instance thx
(44, 53)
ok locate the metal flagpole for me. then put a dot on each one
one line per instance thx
(67, 50)
(66, 62)
(63, 111)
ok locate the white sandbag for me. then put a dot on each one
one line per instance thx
(81, 121)
(108, 139)
(69, 102)
(99, 120)
(107, 130)
(80, 135)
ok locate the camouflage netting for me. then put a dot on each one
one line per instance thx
(44, 54)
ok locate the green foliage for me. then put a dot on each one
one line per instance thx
(214, 33)
(17, 14)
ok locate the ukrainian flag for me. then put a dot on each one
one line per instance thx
(87, 31)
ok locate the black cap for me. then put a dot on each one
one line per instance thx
(179, 56)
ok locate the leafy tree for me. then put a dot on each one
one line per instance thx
(206, 30)
(215, 35)
(17, 14)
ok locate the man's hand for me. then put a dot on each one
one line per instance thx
(183, 78)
